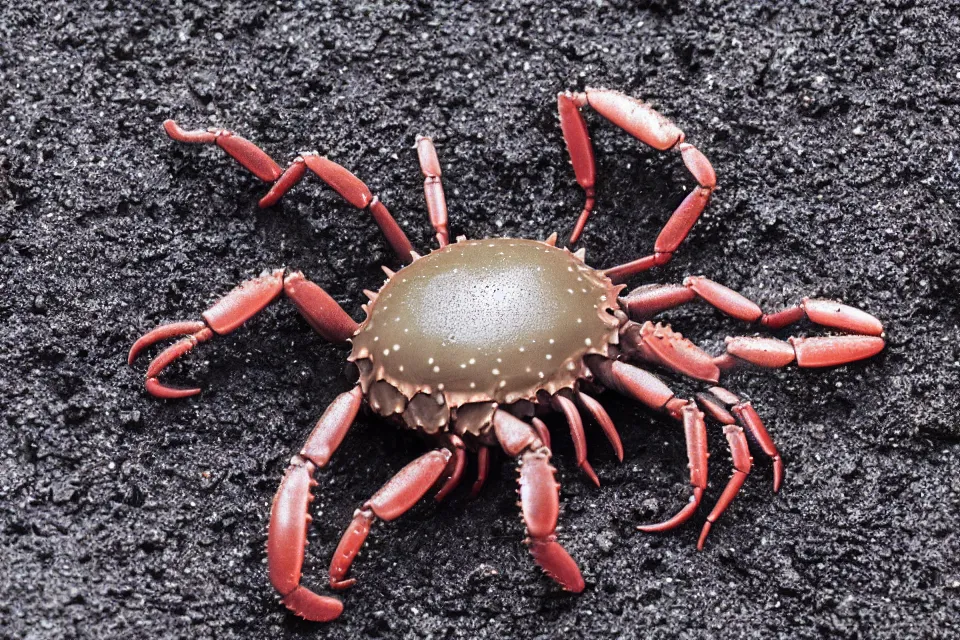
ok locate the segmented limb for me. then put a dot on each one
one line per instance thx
(433, 189)
(349, 186)
(575, 423)
(483, 470)
(651, 128)
(595, 409)
(539, 499)
(320, 310)
(718, 400)
(289, 515)
(394, 499)
(646, 388)
(742, 462)
(646, 302)
(695, 434)
(459, 463)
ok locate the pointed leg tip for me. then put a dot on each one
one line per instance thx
(777, 476)
(703, 535)
(557, 563)
(587, 469)
(158, 390)
(342, 585)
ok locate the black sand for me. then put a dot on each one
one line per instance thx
(833, 128)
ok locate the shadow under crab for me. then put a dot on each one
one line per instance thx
(475, 341)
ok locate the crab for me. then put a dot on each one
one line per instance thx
(475, 342)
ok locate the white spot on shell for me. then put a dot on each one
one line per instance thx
(588, 342)
(436, 369)
(386, 352)
(549, 357)
(503, 383)
(430, 361)
(495, 372)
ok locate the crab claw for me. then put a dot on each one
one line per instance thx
(195, 332)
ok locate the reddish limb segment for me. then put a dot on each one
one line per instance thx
(595, 409)
(349, 186)
(433, 188)
(645, 302)
(569, 409)
(645, 387)
(483, 470)
(459, 463)
(695, 433)
(394, 499)
(320, 310)
(289, 516)
(651, 128)
(742, 462)
(718, 400)
(539, 499)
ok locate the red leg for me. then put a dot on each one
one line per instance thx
(641, 385)
(433, 188)
(741, 468)
(647, 301)
(351, 188)
(695, 433)
(252, 157)
(393, 500)
(603, 419)
(631, 381)
(289, 516)
(540, 504)
(569, 409)
(651, 128)
(317, 307)
(456, 474)
(483, 469)
(716, 403)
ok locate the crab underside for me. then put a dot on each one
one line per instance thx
(473, 343)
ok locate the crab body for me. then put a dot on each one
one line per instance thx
(481, 322)
(473, 343)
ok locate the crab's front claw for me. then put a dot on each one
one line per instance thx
(195, 332)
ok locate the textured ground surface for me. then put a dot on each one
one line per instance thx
(834, 130)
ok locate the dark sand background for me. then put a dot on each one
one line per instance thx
(833, 128)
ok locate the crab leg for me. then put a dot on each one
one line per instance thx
(539, 499)
(289, 515)
(603, 419)
(350, 187)
(646, 302)
(741, 468)
(651, 128)
(569, 410)
(459, 464)
(483, 469)
(716, 401)
(433, 189)
(645, 387)
(695, 434)
(320, 310)
(394, 499)
(649, 300)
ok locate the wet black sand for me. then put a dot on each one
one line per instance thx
(833, 128)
